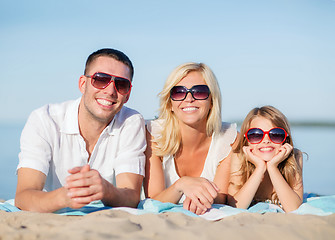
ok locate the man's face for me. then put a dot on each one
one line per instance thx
(102, 104)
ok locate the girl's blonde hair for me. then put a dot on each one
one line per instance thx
(169, 140)
(289, 167)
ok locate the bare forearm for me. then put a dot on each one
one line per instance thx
(121, 197)
(288, 198)
(39, 201)
(170, 194)
(245, 195)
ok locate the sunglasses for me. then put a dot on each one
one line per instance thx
(256, 135)
(198, 92)
(101, 80)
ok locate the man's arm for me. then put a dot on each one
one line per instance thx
(127, 193)
(31, 197)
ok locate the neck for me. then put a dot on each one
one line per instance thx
(90, 128)
(193, 137)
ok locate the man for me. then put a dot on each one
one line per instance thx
(89, 149)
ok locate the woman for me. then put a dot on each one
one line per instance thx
(189, 147)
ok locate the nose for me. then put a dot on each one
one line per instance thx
(110, 89)
(266, 138)
(189, 97)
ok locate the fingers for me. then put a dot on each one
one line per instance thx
(84, 186)
(251, 157)
(84, 178)
(75, 170)
(191, 206)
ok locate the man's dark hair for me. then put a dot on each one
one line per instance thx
(113, 53)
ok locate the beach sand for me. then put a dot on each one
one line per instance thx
(118, 224)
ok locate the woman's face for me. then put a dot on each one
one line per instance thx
(266, 149)
(191, 111)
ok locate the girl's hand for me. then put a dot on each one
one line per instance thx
(251, 157)
(200, 191)
(282, 154)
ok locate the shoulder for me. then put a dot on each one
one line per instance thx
(154, 127)
(54, 113)
(227, 134)
(128, 116)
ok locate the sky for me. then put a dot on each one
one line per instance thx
(271, 52)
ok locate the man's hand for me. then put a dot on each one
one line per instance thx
(84, 185)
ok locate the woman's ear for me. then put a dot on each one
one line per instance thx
(82, 83)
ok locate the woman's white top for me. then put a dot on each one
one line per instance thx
(219, 149)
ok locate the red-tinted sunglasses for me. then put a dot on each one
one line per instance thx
(101, 80)
(198, 92)
(256, 135)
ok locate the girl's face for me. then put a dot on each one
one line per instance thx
(190, 111)
(266, 149)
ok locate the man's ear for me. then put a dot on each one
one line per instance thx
(82, 84)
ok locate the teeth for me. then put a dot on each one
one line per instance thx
(189, 109)
(266, 149)
(104, 102)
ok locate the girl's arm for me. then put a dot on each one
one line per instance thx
(241, 198)
(290, 198)
(199, 190)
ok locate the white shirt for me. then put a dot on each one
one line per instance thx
(219, 149)
(51, 143)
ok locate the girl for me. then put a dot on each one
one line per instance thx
(189, 148)
(265, 166)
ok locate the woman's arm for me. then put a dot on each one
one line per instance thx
(154, 183)
(199, 190)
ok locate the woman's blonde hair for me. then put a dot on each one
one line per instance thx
(169, 141)
(289, 167)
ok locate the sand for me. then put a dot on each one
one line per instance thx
(118, 224)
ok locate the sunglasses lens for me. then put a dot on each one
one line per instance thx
(277, 135)
(100, 80)
(200, 92)
(255, 135)
(178, 93)
(122, 85)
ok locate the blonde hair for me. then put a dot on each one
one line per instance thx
(289, 167)
(169, 141)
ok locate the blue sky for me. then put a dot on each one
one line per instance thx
(263, 52)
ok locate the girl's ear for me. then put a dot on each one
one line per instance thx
(82, 83)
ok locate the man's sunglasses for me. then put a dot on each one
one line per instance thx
(101, 80)
(256, 135)
(198, 92)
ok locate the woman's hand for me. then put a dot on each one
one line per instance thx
(188, 204)
(200, 193)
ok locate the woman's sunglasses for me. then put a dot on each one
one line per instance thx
(198, 92)
(101, 80)
(256, 135)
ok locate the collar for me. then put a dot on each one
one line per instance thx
(70, 124)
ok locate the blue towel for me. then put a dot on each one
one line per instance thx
(313, 204)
